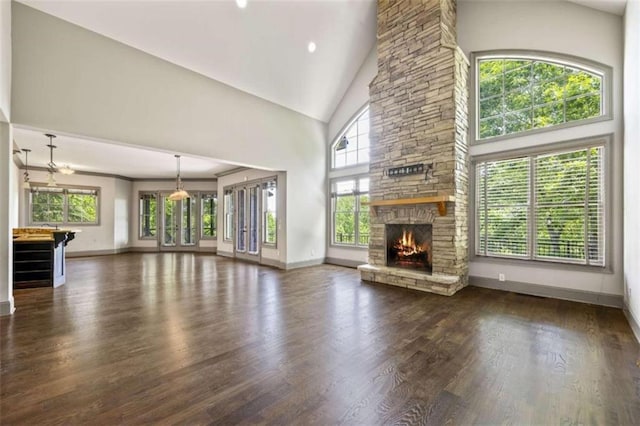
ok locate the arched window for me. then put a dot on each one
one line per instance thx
(352, 146)
(520, 92)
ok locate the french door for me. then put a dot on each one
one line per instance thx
(247, 226)
(178, 223)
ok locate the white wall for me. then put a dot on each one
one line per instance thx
(6, 163)
(565, 28)
(5, 60)
(71, 80)
(121, 208)
(6, 208)
(631, 156)
(283, 240)
(168, 185)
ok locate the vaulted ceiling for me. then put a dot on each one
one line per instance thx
(261, 49)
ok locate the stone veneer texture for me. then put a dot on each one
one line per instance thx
(418, 109)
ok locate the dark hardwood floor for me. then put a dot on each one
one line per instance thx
(190, 339)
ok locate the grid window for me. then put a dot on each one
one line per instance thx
(148, 215)
(349, 212)
(209, 214)
(188, 218)
(269, 217)
(47, 205)
(352, 146)
(228, 215)
(520, 94)
(545, 207)
(63, 205)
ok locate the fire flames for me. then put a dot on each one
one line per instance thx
(406, 246)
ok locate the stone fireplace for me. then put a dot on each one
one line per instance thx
(419, 160)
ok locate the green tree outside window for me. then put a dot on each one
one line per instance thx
(517, 95)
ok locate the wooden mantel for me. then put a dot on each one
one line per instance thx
(441, 200)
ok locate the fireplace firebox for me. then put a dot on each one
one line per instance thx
(409, 246)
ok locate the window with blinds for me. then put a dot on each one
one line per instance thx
(544, 207)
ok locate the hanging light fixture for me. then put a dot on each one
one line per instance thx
(25, 183)
(53, 168)
(51, 182)
(342, 144)
(179, 193)
(66, 170)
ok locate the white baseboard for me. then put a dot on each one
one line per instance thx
(304, 263)
(88, 253)
(633, 322)
(603, 299)
(7, 307)
(343, 262)
(225, 253)
(272, 262)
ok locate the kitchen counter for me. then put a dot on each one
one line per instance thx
(39, 256)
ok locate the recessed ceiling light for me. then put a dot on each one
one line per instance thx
(311, 47)
(241, 3)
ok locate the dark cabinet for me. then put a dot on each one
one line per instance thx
(40, 261)
(33, 264)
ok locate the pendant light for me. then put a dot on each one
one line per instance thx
(51, 182)
(66, 170)
(342, 144)
(53, 168)
(179, 193)
(25, 183)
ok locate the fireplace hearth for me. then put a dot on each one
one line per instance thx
(409, 246)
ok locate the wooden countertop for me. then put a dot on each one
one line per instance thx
(38, 234)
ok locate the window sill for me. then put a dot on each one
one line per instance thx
(540, 264)
(583, 122)
(62, 225)
(348, 246)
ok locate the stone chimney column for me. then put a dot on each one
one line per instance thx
(418, 110)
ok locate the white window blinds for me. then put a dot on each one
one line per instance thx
(543, 207)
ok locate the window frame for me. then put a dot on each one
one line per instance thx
(65, 204)
(200, 207)
(606, 141)
(228, 190)
(343, 131)
(263, 212)
(155, 194)
(605, 71)
(356, 213)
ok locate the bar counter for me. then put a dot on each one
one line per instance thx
(39, 256)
